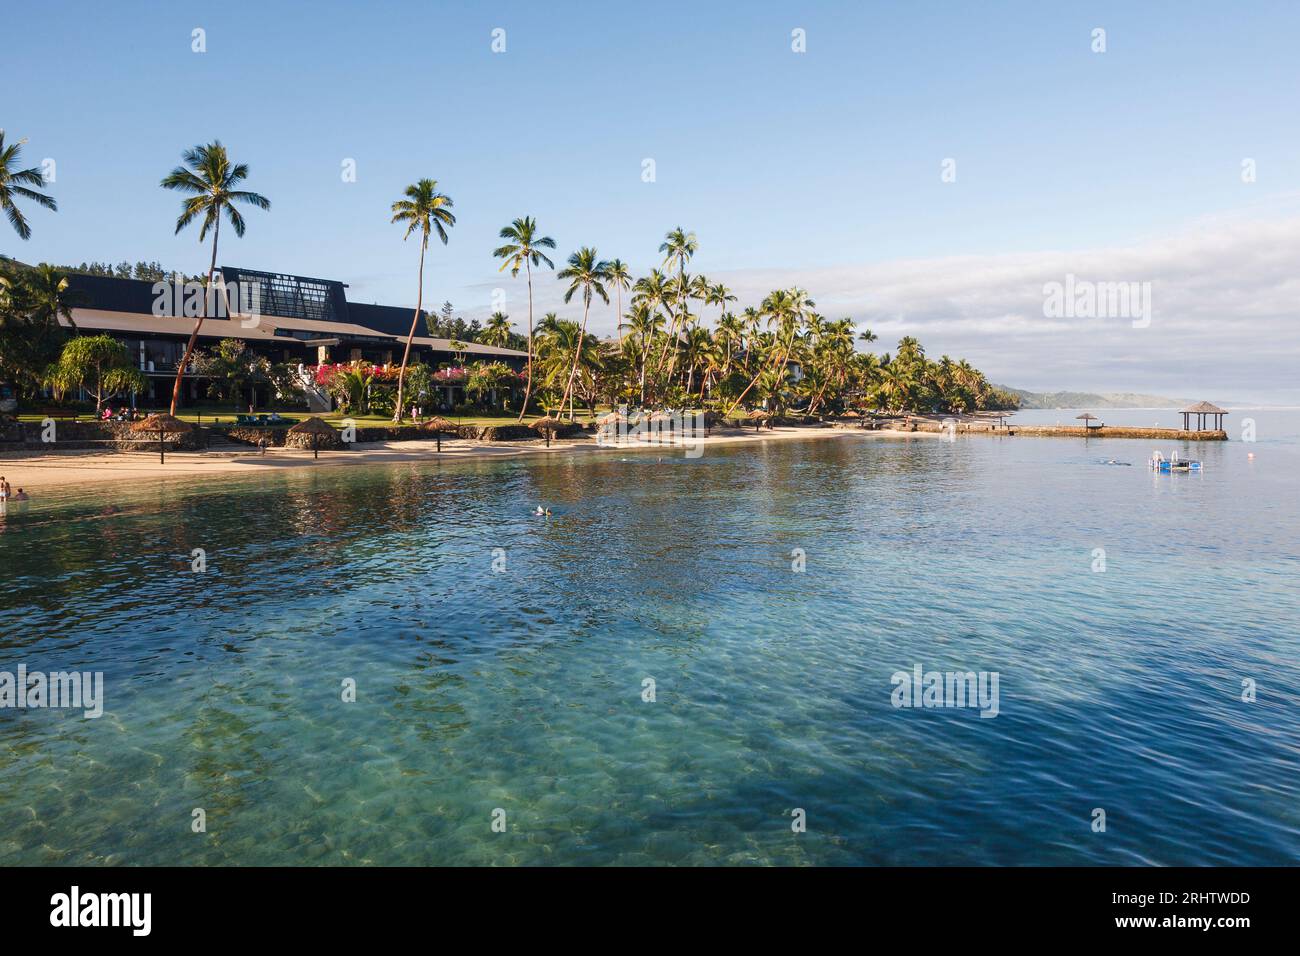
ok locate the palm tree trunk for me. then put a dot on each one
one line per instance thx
(528, 386)
(577, 355)
(406, 353)
(194, 336)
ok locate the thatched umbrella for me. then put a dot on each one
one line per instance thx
(547, 426)
(315, 427)
(163, 424)
(711, 420)
(1087, 418)
(439, 425)
(758, 416)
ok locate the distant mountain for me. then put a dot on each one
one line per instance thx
(1094, 400)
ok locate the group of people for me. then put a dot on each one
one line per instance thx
(7, 492)
(123, 414)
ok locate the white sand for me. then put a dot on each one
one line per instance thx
(44, 471)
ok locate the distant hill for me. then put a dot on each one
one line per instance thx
(1094, 400)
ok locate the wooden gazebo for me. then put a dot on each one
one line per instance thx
(1203, 411)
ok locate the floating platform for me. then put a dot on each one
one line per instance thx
(1172, 464)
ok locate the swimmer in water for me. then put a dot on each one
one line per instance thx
(540, 511)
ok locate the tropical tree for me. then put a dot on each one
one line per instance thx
(619, 277)
(98, 363)
(523, 249)
(231, 367)
(497, 331)
(586, 273)
(562, 348)
(18, 183)
(678, 247)
(424, 210)
(48, 296)
(210, 179)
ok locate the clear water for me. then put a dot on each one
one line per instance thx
(522, 690)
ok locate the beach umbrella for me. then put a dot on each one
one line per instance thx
(315, 427)
(1087, 418)
(438, 425)
(758, 416)
(547, 426)
(163, 424)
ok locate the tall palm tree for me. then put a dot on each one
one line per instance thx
(619, 276)
(678, 247)
(585, 272)
(210, 179)
(719, 295)
(14, 183)
(524, 249)
(497, 331)
(426, 210)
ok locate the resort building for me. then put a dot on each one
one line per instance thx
(286, 318)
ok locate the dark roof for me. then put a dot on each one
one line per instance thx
(389, 319)
(111, 294)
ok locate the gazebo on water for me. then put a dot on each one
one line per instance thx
(1203, 411)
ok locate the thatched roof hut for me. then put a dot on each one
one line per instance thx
(439, 424)
(1202, 411)
(162, 422)
(162, 425)
(315, 427)
(312, 426)
(547, 427)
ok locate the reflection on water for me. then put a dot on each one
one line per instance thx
(520, 689)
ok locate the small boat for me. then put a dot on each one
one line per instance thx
(1173, 463)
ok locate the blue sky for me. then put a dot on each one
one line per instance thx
(789, 167)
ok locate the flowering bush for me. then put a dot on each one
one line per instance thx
(456, 375)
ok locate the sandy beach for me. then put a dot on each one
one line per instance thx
(36, 472)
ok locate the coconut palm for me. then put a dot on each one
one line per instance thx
(15, 183)
(619, 276)
(497, 331)
(209, 177)
(524, 250)
(678, 247)
(644, 322)
(719, 295)
(586, 273)
(424, 210)
(48, 297)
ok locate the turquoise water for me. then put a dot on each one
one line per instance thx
(521, 689)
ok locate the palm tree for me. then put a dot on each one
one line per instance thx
(619, 276)
(678, 246)
(786, 309)
(588, 273)
(524, 249)
(14, 182)
(644, 322)
(47, 288)
(210, 179)
(718, 295)
(497, 331)
(427, 210)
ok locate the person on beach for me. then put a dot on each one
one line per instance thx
(4, 488)
(21, 495)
